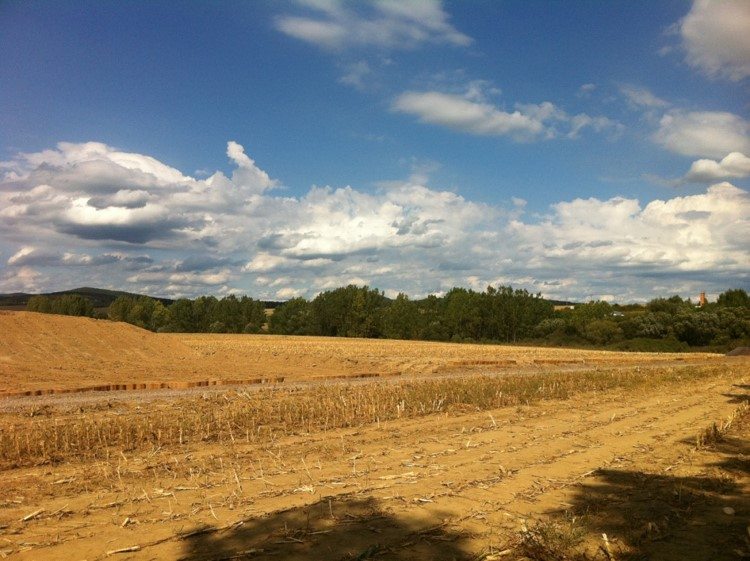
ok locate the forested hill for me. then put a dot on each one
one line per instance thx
(98, 297)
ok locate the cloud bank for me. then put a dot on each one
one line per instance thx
(83, 214)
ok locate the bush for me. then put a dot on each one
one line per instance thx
(602, 331)
(644, 345)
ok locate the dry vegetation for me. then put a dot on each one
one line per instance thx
(35, 436)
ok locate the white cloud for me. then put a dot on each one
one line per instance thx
(29, 255)
(586, 90)
(356, 74)
(95, 192)
(288, 293)
(700, 233)
(190, 279)
(716, 37)
(711, 134)
(389, 24)
(21, 279)
(265, 262)
(472, 114)
(459, 113)
(247, 176)
(734, 165)
(225, 234)
(639, 97)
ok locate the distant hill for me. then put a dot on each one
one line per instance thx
(102, 298)
(99, 297)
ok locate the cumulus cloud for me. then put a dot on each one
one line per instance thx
(474, 115)
(389, 24)
(734, 165)
(716, 38)
(688, 233)
(95, 192)
(227, 234)
(711, 134)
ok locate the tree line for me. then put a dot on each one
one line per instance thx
(498, 314)
(663, 324)
(206, 314)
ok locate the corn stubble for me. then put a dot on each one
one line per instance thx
(262, 416)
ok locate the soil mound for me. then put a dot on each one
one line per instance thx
(739, 351)
(52, 349)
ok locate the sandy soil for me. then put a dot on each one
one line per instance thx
(44, 354)
(448, 486)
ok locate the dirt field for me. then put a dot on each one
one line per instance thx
(526, 460)
(41, 353)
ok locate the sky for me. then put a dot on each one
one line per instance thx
(582, 150)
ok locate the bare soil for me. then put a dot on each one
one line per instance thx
(542, 482)
(42, 354)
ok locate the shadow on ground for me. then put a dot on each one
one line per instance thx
(661, 517)
(739, 397)
(342, 529)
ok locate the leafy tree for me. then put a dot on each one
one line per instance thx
(670, 305)
(68, 305)
(462, 313)
(550, 326)
(351, 311)
(736, 298)
(400, 319)
(182, 316)
(39, 304)
(292, 318)
(602, 331)
(697, 329)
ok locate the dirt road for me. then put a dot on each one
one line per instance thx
(460, 485)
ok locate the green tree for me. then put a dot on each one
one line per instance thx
(292, 318)
(602, 331)
(697, 329)
(400, 319)
(39, 304)
(735, 298)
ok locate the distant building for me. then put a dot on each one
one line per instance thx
(702, 300)
(564, 307)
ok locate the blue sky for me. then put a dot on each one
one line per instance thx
(579, 149)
